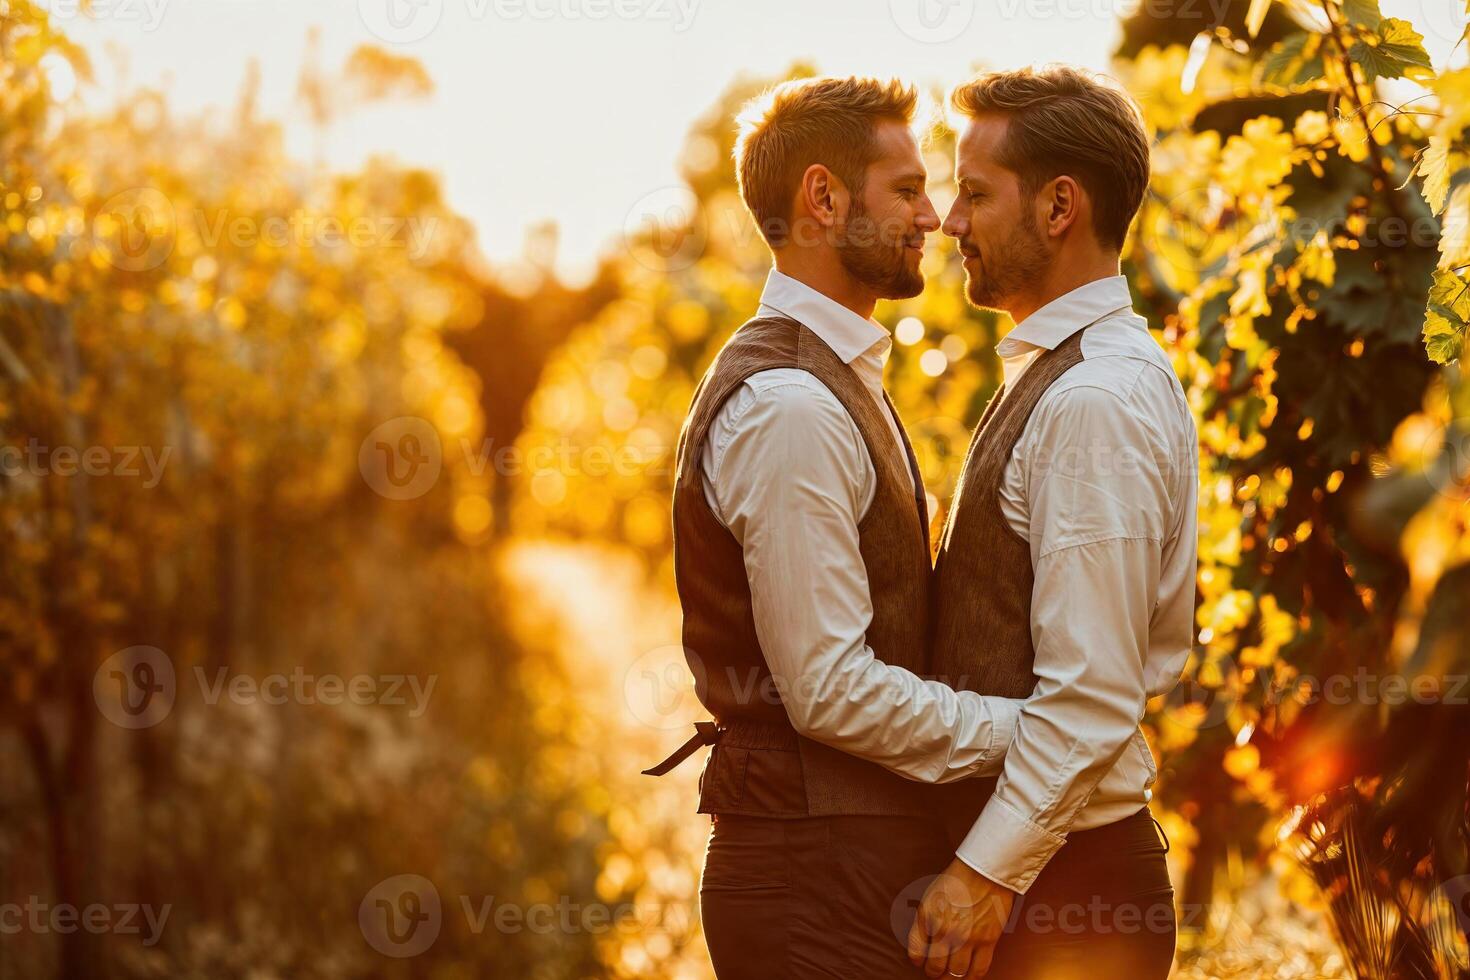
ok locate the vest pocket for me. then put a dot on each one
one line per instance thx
(722, 784)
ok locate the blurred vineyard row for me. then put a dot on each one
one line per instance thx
(1301, 255)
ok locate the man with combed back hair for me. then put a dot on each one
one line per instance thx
(1066, 567)
(802, 559)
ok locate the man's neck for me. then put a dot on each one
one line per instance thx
(827, 276)
(1062, 278)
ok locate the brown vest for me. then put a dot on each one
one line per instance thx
(760, 765)
(983, 575)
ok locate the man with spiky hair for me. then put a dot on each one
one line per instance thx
(802, 559)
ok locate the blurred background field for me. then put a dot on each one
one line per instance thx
(280, 413)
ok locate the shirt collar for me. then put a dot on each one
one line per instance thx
(848, 334)
(1062, 317)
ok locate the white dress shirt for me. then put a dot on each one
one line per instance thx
(1103, 484)
(786, 470)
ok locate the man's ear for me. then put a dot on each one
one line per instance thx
(822, 195)
(1062, 203)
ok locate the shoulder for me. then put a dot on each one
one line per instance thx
(1123, 372)
(782, 397)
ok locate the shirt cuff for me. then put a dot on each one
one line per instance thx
(1007, 848)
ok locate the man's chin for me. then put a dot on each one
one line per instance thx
(982, 298)
(905, 287)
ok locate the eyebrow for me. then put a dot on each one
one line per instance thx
(915, 176)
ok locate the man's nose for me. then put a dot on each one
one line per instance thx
(927, 219)
(956, 225)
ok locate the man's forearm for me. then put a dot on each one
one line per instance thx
(923, 730)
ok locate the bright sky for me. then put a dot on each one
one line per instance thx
(569, 110)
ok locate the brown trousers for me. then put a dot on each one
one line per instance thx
(816, 897)
(834, 897)
(1101, 909)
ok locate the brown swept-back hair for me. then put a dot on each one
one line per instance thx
(1064, 121)
(800, 123)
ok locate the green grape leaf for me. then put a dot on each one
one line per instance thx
(1444, 348)
(1451, 293)
(1401, 42)
(1364, 12)
(1396, 52)
(1445, 318)
(1295, 60)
